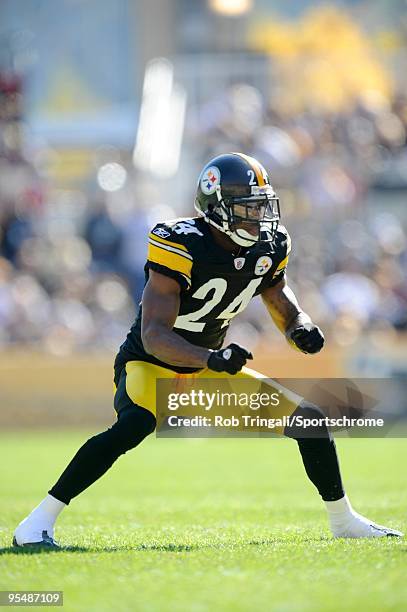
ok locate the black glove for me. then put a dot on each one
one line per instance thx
(230, 359)
(308, 338)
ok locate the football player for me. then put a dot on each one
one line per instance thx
(200, 273)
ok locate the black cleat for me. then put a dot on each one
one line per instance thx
(46, 542)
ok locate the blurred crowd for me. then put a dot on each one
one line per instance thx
(71, 267)
(71, 260)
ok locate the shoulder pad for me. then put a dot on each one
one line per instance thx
(282, 248)
(171, 248)
(177, 230)
(283, 240)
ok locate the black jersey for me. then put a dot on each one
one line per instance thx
(215, 284)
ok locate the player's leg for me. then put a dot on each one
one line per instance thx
(91, 461)
(320, 459)
(321, 463)
(318, 451)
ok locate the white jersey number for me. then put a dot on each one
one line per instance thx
(190, 321)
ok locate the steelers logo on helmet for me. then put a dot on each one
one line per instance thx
(210, 179)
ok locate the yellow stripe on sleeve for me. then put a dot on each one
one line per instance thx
(171, 260)
(168, 242)
(282, 265)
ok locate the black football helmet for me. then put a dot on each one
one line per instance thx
(235, 196)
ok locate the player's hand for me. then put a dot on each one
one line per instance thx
(230, 359)
(308, 338)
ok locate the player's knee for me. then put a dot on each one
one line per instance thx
(134, 424)
(308, 421)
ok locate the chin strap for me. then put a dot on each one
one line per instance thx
(241, 241)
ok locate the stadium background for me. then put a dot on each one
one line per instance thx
(103, 130)
(108, 109)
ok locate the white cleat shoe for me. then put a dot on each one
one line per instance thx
(27, 534)
(37, 529)
(45, 542)
(357, 526)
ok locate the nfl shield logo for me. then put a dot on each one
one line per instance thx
(239, 262)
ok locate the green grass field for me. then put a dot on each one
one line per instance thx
(207, 525)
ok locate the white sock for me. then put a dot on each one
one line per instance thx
(339, 507)
(42, 518)
(339, 511)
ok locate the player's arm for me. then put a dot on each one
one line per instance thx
(161, 302)
(293, 322)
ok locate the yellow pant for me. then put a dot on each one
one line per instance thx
(141, 380)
